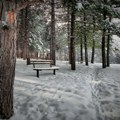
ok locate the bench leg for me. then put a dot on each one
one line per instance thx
(54, 72)
(33, 65)
(38, 73)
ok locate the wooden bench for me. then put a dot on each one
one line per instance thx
(34, 63)
(41, 62)
(54, 68)
(30, 61)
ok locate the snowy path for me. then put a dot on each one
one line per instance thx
(106, 92)
(89, 93)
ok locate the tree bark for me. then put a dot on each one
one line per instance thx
(108, 46)
(108, 50)
(81, 49)
(7, 62)
(72, 41)
(103, 41)
(93, 45)
(103, 49)
(53, 42)
(68, 28)
(85, 41)
(24, 32)
(26, 42)
(21, 33)
(1, 10)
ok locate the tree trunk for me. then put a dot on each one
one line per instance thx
(108, 46)
(25, 32)
(72, 40)
(93, 51)
(103, 49)
(28, 61)
(103, 41)
(81, 49)
(108, 50)
(85, 41)
(68, 28)
(1, 10)
(93, 45)
(7, 61)
(21, 33)
(53, 43)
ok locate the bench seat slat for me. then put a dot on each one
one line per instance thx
(34, 63)
(40, 62)
(48, 68)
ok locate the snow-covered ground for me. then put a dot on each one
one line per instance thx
(89, 93)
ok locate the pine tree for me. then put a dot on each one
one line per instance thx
(72, 5)
(103, 10)
(8, 39)
(7, 59)
(53, 42)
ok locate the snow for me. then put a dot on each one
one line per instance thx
(89, 93)
(116, 42)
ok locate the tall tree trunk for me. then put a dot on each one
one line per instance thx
(7, 60)
(21, 33)
(85, 41)
(108, 46)
(81, 49)
(53, 42)
(103, 41)
(22, 41)
(93, 51)
(1, 10)
(108, 49)
(93, 44)
(103, 49)
(72, 40)
(68, 28)
(25, 37)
